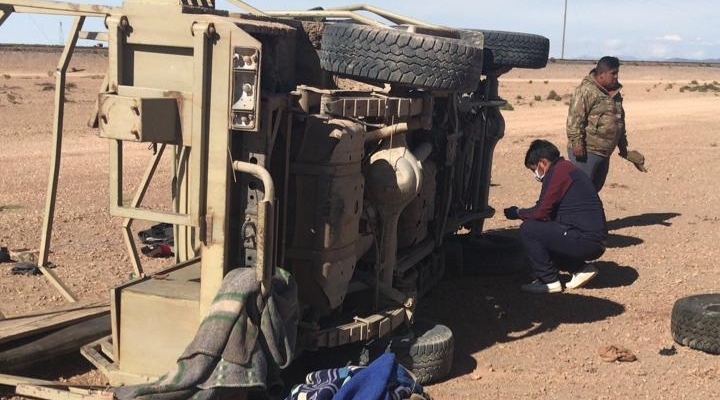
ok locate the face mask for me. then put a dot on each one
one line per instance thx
(537, 176)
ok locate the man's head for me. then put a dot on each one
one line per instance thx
(540, 156)
(606, 72)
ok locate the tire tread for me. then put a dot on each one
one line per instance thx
(430, 356)
(692, 326)
(400, 57)
(510, 49)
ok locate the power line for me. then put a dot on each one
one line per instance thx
(39, 29)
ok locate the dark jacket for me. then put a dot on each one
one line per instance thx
(569, 197)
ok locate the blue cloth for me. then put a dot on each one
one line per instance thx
(323, 384)
(383, 379)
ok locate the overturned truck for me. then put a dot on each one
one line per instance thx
(341, 149)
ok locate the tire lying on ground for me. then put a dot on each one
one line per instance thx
(695, 322)
(509, 49)
(427, 351)
(400, 57)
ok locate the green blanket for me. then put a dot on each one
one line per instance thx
(242, 343)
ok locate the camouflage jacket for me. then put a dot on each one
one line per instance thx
(596, 119)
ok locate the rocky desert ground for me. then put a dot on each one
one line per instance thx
(664, 233)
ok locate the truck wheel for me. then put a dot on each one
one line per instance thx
(695, 322)
(509, 49)
(400, 57)
(427, 350)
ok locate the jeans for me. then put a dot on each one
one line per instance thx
(551, 246)
(596, 167)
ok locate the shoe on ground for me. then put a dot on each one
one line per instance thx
(537, 286)
(580, 278)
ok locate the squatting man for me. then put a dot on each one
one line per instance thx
(566, 227)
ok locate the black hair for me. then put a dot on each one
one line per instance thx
(541, 149)
(607, 63)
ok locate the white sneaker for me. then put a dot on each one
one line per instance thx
(537, 286)
(582, 277)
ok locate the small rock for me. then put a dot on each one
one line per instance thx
(668, 351)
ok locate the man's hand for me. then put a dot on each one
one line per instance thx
(579, 152)
(623, 147)
(511, 213)
(623, 152)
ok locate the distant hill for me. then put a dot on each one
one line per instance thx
(656, 59)
(689, 60)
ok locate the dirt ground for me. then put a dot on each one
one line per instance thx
(509, 345)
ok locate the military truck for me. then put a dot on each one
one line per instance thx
(343, 145)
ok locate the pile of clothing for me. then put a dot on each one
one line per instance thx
(158, 240)
(383, 379)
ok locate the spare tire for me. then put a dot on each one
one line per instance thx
(400, 57)
(427, 350)
(509, 49)
(695, 322)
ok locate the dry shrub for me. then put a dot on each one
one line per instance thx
(554, 96)
(46, 86)
(9, 95)
(704, 88)
(507, 107)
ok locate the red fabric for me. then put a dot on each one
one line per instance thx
(556, 183)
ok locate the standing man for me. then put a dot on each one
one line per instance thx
(596, 121)
(566, 227)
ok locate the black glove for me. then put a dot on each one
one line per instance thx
(511, 213)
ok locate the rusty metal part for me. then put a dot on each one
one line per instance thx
(393, 130)
(373, 106)
(362, 329)
(414, 219)
(326, 208)
(394, 179)
(59, 8)
(266, 224)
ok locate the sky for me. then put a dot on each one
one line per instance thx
(629, 29)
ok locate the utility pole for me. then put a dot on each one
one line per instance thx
(61, 37)
(562, 51)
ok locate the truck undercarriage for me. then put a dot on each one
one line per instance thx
(321, 142)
